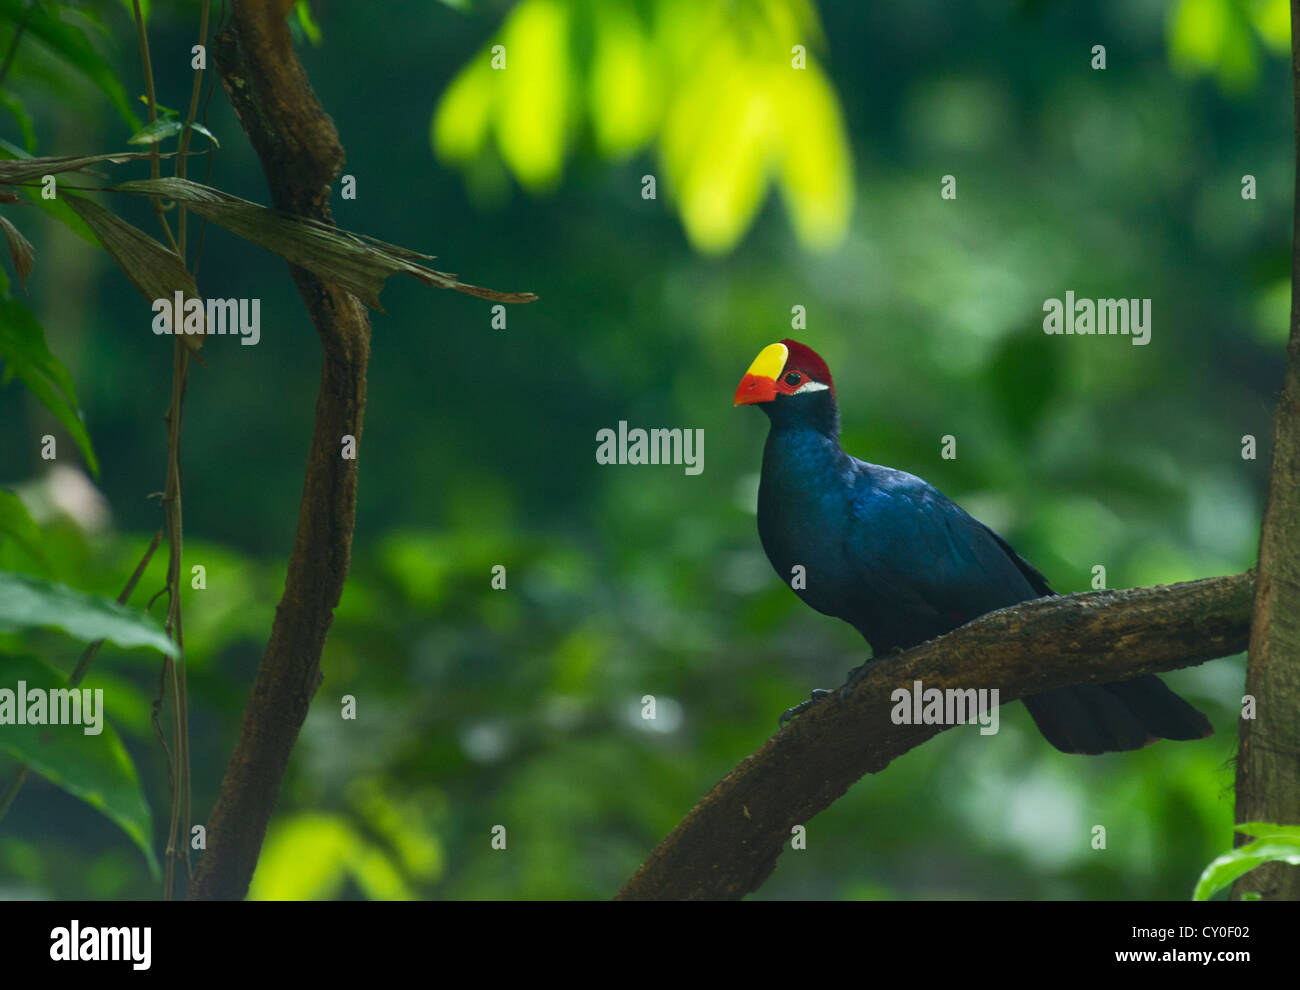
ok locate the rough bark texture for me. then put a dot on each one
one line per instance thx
(1268, 764)
(729, 842)
(301, 156)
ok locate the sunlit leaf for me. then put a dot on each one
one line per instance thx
(713, 82)
(95, 768)
(815, 165)
(533, 107)
(308, 24)
(358, 263)
(1272, 19)
(30, 603)
(1223, 871)
(1265, 830)
(624, 89)
(460, 125)
(714, 148)
(1213, 36)
(311, 856)
(26, 356)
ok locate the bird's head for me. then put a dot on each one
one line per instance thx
(791, 383)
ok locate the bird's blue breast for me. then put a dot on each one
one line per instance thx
(881, 549)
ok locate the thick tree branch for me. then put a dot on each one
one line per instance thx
(1268, 765)
(301, 155)
(728, 844)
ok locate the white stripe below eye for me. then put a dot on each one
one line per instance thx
(810, 386)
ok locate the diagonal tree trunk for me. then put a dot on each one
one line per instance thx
(729, 842)
(301, 155)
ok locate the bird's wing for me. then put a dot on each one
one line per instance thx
(922, 555)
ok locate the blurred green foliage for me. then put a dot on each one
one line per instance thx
(725, 88)
(521, 707)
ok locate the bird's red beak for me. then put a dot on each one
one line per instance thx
(755, 388)
(759, 383)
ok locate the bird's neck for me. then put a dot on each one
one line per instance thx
(813, 413)
(801, 457)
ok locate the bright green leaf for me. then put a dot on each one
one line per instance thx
(17, 524)
(1223, 871)
(95, 768)
(30, 603)
(532, 120)
(1264, 830)
(308, 24)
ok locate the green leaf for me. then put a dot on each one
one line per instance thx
(157, 272)
(25, 354)
(309, 26)
(1279, 848)
(206, 133)
(30, 603)
(358, 263)
(94, 768)
(74, 48)
(160, 130)
(16, 107)
(129, 7)
(20, 249)
(17, 524)
(165, 111)
(1263, 830)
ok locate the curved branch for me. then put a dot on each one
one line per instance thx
(300, 153)
(728, 844)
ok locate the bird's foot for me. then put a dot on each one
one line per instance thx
(817, 695)
(855, 675)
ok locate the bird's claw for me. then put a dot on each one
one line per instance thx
(817, 695)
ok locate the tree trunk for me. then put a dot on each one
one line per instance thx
(301, 156)
(1268, 765)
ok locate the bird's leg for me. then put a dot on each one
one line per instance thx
(817, 695)
(861, 671)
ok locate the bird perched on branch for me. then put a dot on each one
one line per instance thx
(902, 563)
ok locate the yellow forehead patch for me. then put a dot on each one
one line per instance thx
(770, 361)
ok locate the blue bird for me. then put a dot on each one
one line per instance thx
(902, 563)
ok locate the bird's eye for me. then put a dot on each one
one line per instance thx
(794, 378)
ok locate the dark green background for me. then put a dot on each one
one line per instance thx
(521, 708)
